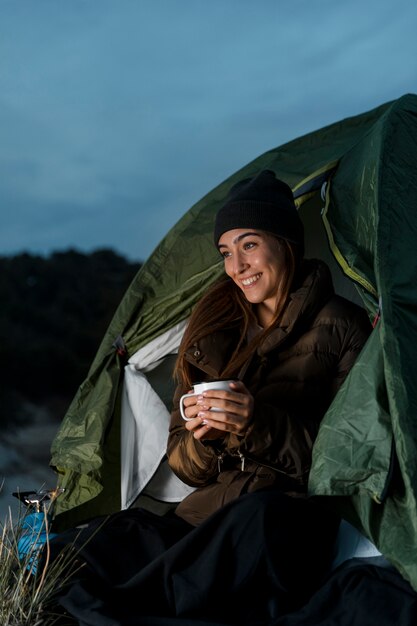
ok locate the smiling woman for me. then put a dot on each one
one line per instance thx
(248, 543)
(275, 326)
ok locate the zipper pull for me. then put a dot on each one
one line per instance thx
(220, 462)
(242, 462)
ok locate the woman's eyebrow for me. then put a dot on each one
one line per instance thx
(243, 235)
(239, 238)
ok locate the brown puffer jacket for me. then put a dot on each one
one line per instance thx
(293, 377)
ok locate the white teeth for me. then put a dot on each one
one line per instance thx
(252, 279)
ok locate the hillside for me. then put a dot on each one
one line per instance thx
(54, 312)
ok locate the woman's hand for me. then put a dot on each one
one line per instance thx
(233, 412)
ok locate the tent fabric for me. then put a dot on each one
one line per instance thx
(144, 427)
(374, 224)
(367, 232)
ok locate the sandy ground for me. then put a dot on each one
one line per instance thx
(24, 461)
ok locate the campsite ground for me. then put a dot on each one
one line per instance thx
(24, 460)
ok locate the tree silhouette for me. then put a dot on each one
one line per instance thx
(53, 315)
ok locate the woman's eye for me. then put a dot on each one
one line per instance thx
(248, 245)
(225, 254)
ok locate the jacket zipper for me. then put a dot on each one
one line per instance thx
(243, 460)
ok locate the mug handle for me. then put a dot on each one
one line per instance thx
(186, 395)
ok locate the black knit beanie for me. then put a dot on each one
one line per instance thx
(265, 203)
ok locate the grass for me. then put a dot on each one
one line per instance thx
(28, 585)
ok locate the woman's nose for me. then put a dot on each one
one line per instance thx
(239, 264)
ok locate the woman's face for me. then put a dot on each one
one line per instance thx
(254, 260)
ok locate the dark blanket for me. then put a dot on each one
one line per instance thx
(359, 593)
(263, 560)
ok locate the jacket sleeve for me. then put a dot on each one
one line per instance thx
(194, 462)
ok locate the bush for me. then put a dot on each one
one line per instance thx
(28, 591)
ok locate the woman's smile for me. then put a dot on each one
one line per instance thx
(247, 282)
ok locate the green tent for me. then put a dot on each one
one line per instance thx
(355, 184)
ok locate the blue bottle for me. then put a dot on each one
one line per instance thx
(34, 527)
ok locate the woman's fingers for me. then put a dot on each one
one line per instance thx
(191, 408)
(219, 411)
(229, 411)
(239, 402)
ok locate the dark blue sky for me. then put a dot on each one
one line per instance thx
(117, 116)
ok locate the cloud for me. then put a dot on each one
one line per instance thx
(110, 109)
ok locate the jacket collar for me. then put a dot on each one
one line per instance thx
(315, 288)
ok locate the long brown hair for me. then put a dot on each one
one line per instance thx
(225, 306)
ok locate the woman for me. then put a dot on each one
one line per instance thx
(275, 325)
(247, 545)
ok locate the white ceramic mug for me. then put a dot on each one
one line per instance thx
(198, 389)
